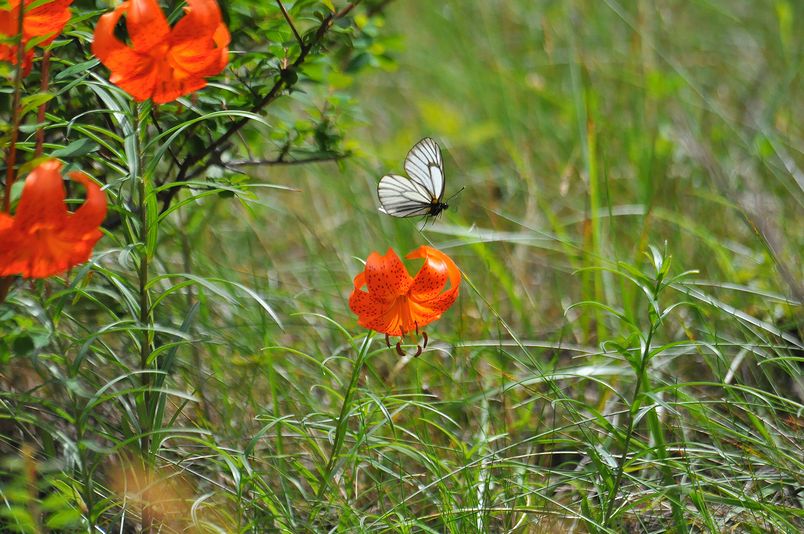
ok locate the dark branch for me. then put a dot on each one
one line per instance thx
(211, 154)
(282, 161)
(290, 22)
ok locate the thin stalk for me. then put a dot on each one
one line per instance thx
(78, 408)
(40, 118)
(11, 157)
(86, 474)
(632, 410)
(340, 431)
(290, 22)
(144, 317)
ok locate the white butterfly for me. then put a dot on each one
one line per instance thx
(420, 194)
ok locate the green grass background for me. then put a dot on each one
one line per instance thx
(582, 134)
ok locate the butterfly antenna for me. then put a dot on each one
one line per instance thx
(455, 194)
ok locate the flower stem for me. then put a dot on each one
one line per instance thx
(632, 409)
(40, 118)
(341, 426)
(11, 157)
(145, 318)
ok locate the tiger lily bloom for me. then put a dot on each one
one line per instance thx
(162, 63)
(395, 303)
(46, 20)
(42, 238)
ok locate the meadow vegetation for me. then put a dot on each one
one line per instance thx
(624, 356)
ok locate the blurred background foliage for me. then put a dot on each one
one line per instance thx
(581, 133)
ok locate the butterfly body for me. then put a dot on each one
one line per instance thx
(421, 192)
(436, 208)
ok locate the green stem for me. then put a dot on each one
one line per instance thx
(145, 318)
(40, 117)
(632, 410)
(342, 425)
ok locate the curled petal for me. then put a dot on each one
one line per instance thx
(87, 218)
(385, 322)
(221, 38)
(108, 48)
(43, 238)
(194, 55)
(42, 202)
(8, 20)
(431, 279)
(46, 20)
(386, 276)
(202, 20)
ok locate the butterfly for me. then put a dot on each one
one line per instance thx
(422, 191)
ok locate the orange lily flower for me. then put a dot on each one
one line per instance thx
(163, 63)
(46, 20)
(43, 238)
(395, 303)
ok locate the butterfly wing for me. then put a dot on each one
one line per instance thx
(425, 167)
(402, 197)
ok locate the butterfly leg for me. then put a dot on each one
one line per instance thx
(399, 343)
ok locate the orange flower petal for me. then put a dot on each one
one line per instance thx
(170, 88)
(202, 18)
(363, 305)
(5, 221)
(46, 20)
(9, 55)
(389, 322)
(108, 48)
(8, 21)
(431, 279)
(221, 38)
(43, 238)
(386, 276)
(422, 315)
(395, 303)
(146, 24)
(163, 64)
(86, 219)
(42, 203)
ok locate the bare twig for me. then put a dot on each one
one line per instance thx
(290, 22)
(281, 161)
